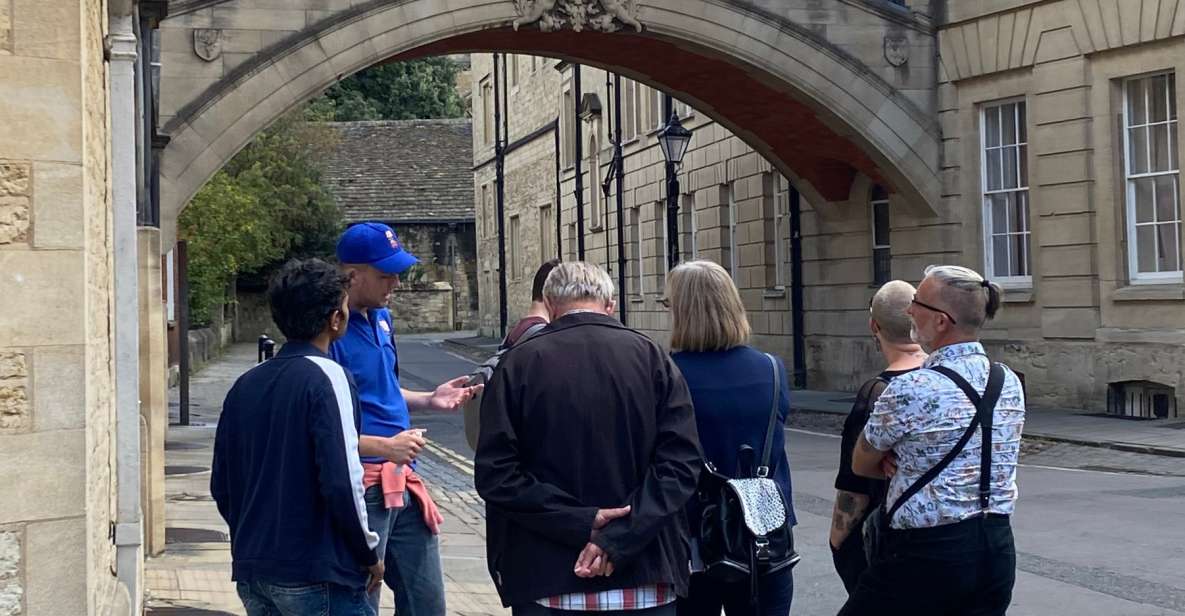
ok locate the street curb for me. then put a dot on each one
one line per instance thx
(1117, 446)
(474, 353)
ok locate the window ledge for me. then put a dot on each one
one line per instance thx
(774, 293)
(1017, 296)
(637, 299)
(1148, 292)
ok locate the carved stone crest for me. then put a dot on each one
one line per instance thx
(598, 15)
(896, 49)
(207, 43)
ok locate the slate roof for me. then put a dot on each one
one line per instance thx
(403, 171)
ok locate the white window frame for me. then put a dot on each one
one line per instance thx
(629, 126)
(514, 230)
(660, 235)
(568, 121)
(1008, 281)
(1133, 254)
(781, 228)
(487, 215)
(486, 87)
(872, 203)
(690, 224)
(637, 263)
(546, 232)
(596, 219)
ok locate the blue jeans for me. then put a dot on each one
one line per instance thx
(264, 599)
(411, 554)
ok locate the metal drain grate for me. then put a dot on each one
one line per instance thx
(194, 535)
(181, 469)
(183, 445)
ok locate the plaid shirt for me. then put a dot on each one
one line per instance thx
(641, 598)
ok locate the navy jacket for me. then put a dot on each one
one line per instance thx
(731, 391)
(286, 475)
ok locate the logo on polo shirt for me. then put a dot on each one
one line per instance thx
(383, 324)
(391, 238)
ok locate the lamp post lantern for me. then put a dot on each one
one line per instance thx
(673, 140)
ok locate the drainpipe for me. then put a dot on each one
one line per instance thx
(500, 136)
(797, 307)
(619, 175)
(121, 59)
(576, 96)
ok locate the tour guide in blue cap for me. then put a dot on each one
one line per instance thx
(398, 506)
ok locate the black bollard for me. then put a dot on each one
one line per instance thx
(269, 348)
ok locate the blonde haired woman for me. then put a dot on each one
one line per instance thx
(731, 385)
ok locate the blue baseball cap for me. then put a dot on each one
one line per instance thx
(374, 244)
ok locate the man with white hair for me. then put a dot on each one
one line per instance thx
(955, 428)
(586, 456)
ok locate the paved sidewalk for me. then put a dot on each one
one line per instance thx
(192, 577)
(1077, 426)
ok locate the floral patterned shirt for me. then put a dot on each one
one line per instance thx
(922, 414)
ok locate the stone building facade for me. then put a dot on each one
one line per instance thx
(1059, 179)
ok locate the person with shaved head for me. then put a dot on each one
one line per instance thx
(944, 543)
(857, 497)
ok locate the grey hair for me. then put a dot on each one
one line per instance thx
(973, 300)
(578, 281)
(889, 307)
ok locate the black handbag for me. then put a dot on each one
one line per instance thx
(877, 533)
(744, 531)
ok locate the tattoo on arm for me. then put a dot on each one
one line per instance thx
(847, 515)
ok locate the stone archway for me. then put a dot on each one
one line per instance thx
(775, 82)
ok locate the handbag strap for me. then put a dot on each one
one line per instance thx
(766, 449)
(983, 412)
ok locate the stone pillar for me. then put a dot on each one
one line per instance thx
(55, 486)
(154, 408)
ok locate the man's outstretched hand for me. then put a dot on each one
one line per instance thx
(451, 395)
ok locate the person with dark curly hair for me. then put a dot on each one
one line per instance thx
(286, 474)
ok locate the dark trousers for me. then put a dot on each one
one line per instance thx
(707, 596)
(963, 569)
(850, 560)
(534, 609)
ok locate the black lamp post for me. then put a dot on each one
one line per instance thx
(673, 140)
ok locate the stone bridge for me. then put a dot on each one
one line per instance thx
(830, 91)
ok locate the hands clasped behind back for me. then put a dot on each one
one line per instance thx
(593, 561)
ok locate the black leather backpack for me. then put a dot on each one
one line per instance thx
(744, 532)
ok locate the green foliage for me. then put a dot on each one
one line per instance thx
(423, 88)
(265, 206)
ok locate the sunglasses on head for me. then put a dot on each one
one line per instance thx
(933, 309)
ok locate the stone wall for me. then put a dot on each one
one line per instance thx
(56, 385)
(423, 309)
(447, 253)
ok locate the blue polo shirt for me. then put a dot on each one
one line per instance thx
(367, 351)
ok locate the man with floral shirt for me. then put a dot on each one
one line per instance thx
(948, 548)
